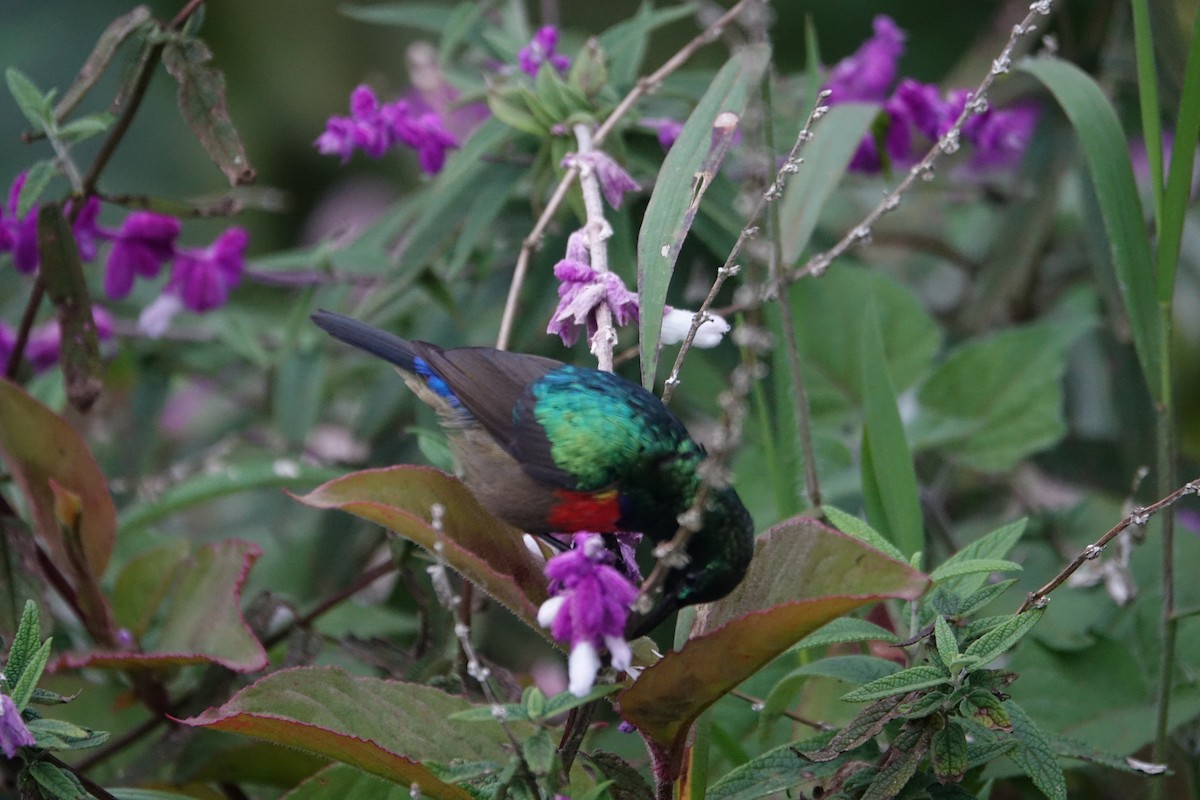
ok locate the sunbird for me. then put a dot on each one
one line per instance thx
(553, 448)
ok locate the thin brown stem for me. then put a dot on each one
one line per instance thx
(1139, 516)
(757, 702)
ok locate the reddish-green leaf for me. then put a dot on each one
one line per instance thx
(387, 728)
(39, 446)
(480, 547)
(804, 574)
(204, 622)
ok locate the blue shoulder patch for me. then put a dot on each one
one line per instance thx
(439, 386)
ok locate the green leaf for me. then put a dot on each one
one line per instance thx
(1034, 755)
(428, 17)
(37, 178)
(56, 782)
(33, 104)
(120, 29)
(851, 669)
(56, 734)
(774, 771)
(865, 725)
(31, 673)
(848, 523)
(803, 575)
(667, 217)
(832, 365)
(1107, 156)
(998, 640)
(974, 566)
(903, 682)
(40, 447)
(540, 752)
(345, 782)
(62, 272)
(994, 545)
(83, 128)
(845, 631)
(948, 753)
(836, 137)
(1178, 190)
(1066, 747)
(903, 758)
(983, 707)
(298, 392)
(947, 645)
(202, 103)
(625, 43)
(889, 479)
(27, 641)
(953, 604)
(997, 400)
(386, 728)
(249, 475)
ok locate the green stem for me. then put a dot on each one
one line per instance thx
(1168, 621)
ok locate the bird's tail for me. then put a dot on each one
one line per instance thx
(379, 343)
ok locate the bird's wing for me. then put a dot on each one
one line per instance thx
(487, 382)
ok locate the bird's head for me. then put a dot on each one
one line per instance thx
(718, 556)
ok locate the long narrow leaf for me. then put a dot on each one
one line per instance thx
(889, 480)
(1107, 157)
(667, 211)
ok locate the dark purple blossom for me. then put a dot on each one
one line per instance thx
(582, 290)
(145, 241)
(666, 128)
(997, 137)
(86, 228)
(588, 608)
(375, 128)
(13, 731)
(867, 74)
(202, 278)
(540, 50)
(18, 234)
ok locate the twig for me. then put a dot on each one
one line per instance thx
(773, 192)
(94, 789)
(948, 143)
(597, 232)
(757, 704)
(644, 86)
(1139, 516)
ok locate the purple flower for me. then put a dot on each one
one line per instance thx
(202, 278)
(998, 137)
(145, 241)
(588, 609)
(375, 128)
(13, 732)
(87, 231)
(540, 50)
(869, 72)
(423, 133)
(614, 180)
(19, 234)
(666, 128)
(582, 290)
